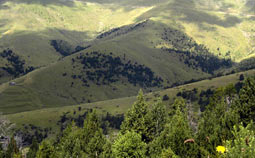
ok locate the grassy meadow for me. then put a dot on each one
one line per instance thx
(48, 117)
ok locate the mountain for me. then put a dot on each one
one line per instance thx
(147, 55)
(59, 53)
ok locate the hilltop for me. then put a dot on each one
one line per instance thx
(148, 55)
(28, 27)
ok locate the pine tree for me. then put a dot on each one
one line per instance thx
(88, 141)
(33, 149)
(107, 150)
(217, 120)
(96, 144)
(246, 102)
(243, 144)
(158, 118)
(12, 148)
(168, 153)
(136, 119)
(178, 104)
(1, 151)
(70, 142)
(176, 131)
(46, 150)
(93, 139)
(129, 145)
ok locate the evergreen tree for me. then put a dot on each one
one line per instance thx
(96, 144)
(1, 151)
(217, 120)
(92, 138)
(246, 102)
(70, 142)
(178, 104)
(12, 148)
(77, 142)
(158, 117)
(173, 136)
(137, 119)
(107, 150)
(129, 145)
(46, 150)
(243, 144)
(168, 153)
(33, 149)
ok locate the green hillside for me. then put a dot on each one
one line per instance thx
(92, 51)
(28, 26)
(148, 55)
(193, 59)
(49, 117)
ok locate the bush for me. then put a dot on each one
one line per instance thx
(165, 97)
(129, 145)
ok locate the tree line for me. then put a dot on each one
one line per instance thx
(225, 129)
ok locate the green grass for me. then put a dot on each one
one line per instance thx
(27, 26)
(52, 89)
(222, 26)
(48, 117)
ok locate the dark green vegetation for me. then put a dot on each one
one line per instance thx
(149, 44)
(14, 66)
(50, 121)
(61, 59)
(157, 130)
(111, 68)
(107, 69)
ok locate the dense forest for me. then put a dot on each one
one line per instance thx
(225, 129)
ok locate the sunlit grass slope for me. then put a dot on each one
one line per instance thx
(27, 26)
(62, 83)
(48, 118)
(224, 26)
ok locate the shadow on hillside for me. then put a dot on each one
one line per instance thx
(2, 6)
(193, 15)
(187, 11)
(252, 18)
(69, 35)
(127, 5)
(3, 22)
(250, 4)
(34, 47)
(42, 2)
